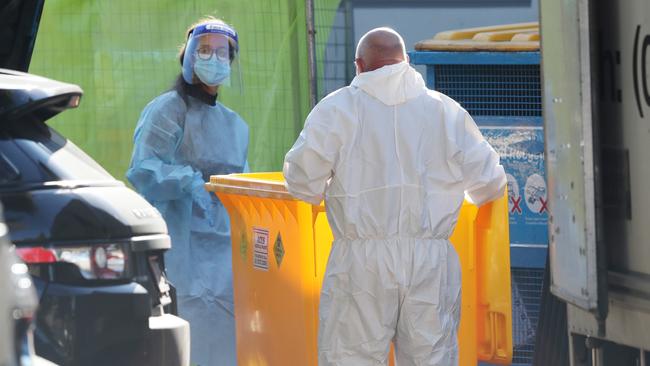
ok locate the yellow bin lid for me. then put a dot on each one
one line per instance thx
(503, 38)
(265, 185)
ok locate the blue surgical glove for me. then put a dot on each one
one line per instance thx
(202, 198)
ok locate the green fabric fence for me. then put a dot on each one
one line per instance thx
(123, 53)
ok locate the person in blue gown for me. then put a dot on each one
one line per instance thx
(182, 138)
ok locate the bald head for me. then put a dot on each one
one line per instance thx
(379, 47)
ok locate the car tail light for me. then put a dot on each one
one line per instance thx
(104, 261)
(74, 100)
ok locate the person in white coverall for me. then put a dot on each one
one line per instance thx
(393, 161)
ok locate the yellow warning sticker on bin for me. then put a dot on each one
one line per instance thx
(261, 248)
(278, 250)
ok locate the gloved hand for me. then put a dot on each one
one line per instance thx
(202, 197)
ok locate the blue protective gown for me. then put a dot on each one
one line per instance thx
(178, 145)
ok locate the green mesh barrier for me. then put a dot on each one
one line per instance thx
(123, 53)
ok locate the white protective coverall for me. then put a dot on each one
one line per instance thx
(393, 161)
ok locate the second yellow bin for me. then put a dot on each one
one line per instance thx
(280, 248)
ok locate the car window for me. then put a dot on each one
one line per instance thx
(56, 157)
(67, 161)
(15, 167)
(9, 173)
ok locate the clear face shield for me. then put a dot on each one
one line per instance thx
(211, 56)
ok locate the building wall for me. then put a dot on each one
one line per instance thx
(420, 22)
(415, 20)
(424, 19)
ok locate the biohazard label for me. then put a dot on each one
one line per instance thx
(261, 249)
(278, 250)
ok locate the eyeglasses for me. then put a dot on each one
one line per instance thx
(222, 53)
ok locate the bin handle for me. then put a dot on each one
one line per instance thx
(494, 344)
(493, 340)
(489, 354)
(317, 208)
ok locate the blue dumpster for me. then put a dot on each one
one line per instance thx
(494, 73)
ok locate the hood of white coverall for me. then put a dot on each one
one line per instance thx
(392, 84)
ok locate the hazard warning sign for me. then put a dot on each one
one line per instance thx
(278, 250)
(521, 148)
(261, 248)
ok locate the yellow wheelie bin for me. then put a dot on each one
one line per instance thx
(280, 247)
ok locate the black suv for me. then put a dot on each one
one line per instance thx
(93, 246)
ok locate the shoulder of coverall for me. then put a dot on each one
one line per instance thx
(339, 100)
(343, 92)
(449, 105)
(454, 120)
(335, 115)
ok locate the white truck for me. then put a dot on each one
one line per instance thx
(596, 77)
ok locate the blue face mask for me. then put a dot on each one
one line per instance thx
(212, 72)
